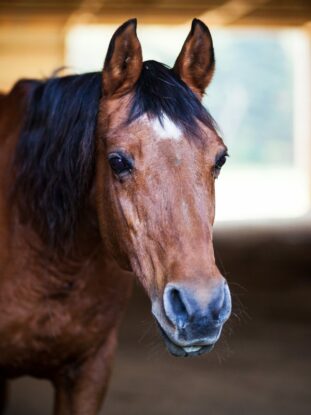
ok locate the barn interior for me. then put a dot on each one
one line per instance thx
(261, 98)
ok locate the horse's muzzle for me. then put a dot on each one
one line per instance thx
(191, 326)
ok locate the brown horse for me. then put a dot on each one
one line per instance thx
(104, 176)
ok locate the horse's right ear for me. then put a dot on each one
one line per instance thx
(123, 63)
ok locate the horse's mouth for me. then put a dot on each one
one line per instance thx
(184, 351)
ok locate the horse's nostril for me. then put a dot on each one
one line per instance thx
(178, 306)
(175, 307)
(217, 303)
(220, 307)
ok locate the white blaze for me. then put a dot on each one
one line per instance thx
(166, 130)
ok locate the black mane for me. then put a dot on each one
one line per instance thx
(55, 155)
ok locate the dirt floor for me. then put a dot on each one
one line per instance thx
(262, 365)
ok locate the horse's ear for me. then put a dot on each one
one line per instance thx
(196, 62)
(123, 61)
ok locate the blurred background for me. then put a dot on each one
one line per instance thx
(261, 99)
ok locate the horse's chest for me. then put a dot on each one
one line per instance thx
(44, 327)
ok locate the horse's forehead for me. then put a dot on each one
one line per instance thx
(153, 133)
(150, 128)
(165, 129)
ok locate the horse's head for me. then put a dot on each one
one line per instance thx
(157, 159)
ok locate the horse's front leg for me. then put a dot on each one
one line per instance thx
(3, 394)
(81, 391)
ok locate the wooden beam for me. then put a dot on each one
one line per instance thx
(232, 11)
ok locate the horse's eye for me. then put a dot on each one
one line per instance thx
(120, 164)
(219, 163)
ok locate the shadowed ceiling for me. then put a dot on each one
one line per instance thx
(230, 12)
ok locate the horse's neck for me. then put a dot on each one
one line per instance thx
(21, 248)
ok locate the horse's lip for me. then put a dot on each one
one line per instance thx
(184, 351)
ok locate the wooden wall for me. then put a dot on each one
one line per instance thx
(29, 49)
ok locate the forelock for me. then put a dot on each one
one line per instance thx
(163, 96)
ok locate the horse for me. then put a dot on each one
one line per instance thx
(105, 178)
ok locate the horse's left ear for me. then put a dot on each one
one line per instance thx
(196, 62)
(123, 63)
